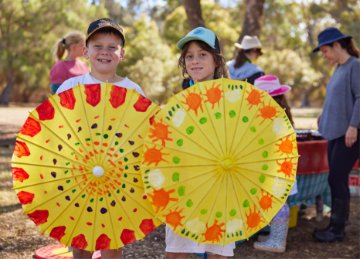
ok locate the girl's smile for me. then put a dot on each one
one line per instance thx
(199, 63)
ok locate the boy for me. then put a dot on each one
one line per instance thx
(104, 50)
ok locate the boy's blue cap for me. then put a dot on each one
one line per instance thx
(329, 36)
(201, 34)
(105, 23)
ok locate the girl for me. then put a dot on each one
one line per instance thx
(340, 124)
(242, 67)
(200, 60)
(73, 44)
(276, 240)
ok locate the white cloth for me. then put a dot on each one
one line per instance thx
(243, 72)
(294, 189)
(88, 79)
(179, 244)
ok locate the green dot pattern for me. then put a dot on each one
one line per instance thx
(190, 130)
(180, 142)
(176, 177)
(203, 120)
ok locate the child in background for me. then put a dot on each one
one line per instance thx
(276, 240)
(73, 44)
(104, 49)
(200, 60)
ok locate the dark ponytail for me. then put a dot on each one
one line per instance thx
(349, 45)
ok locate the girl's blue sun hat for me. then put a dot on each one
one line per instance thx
(202, 34)
(329, 36)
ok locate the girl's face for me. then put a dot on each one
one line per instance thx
(199, 63)
(104, 52)
(331, 53)
(78, 49)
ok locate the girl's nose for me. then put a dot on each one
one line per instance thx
(195, 60)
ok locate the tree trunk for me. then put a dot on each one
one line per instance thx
(252, 20)
(7, 91)
(193, 13)
(5, 95)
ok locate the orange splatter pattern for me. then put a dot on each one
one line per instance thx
(174, 218)
(267, 112)
(159, 131)
(254, 98)
(214, 95)
(265, 201)
(193, 101)
(153, 155)
(161, 198)
(214, 233)
(286, 167)
(286, 146)
(253, 219)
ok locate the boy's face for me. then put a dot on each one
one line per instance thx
(199, 63)
(105, 52)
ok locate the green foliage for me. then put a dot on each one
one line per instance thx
(28, 32)
(30, 28)
(292, 69)
(148, 60)
(216, 18)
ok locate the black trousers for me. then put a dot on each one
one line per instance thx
(341, 160)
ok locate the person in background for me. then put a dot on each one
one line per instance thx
(242, 67)
(276, 240)
(200, 60)
(72, 44)
(339, 123)
(104, 49)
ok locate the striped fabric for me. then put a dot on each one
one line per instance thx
(309, 186)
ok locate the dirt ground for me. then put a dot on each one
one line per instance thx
(19, 237)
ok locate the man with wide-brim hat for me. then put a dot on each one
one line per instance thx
(242, 67)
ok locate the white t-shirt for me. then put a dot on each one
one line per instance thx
(88, 79)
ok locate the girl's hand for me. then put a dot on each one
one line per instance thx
(351, 136)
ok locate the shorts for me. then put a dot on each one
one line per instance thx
(179, 244)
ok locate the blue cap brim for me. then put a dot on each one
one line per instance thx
(181, 43)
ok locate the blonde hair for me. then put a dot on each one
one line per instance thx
(63, 44)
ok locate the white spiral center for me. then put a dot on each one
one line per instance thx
(98, 171)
